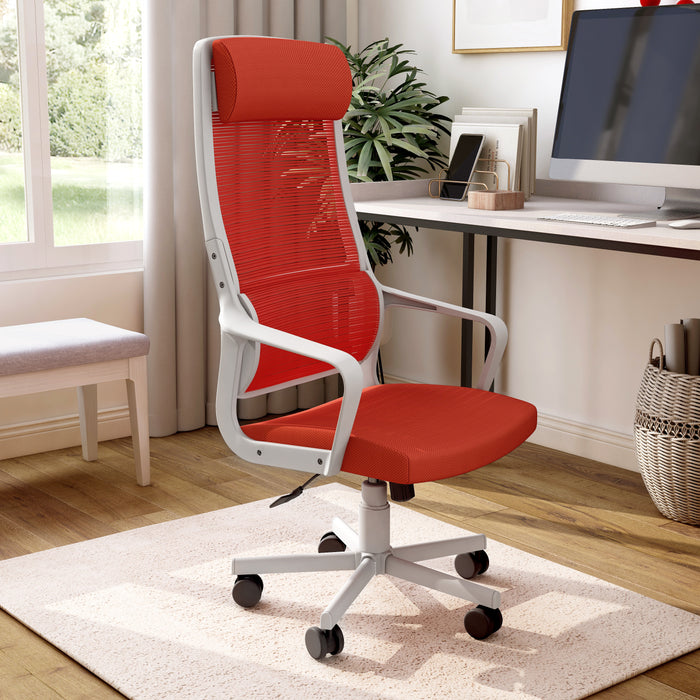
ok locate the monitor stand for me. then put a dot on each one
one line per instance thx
(678, 204)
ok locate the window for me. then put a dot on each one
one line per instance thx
(70, 134)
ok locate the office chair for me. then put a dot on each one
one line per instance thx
(298, 301)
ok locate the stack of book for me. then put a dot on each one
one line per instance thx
(509, 135)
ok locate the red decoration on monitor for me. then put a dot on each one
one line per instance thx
(654, 3)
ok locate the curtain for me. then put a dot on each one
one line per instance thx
(180, 304)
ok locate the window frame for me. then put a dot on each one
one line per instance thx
(38, 256)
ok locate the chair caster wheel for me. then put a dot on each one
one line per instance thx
(472, 563)
(482, 622)
(247, 590)
(321, 642)
(330, 542)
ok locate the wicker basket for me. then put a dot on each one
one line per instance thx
(667, 439)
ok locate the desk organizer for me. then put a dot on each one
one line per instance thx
(441, 180)
(485, 198)
(496, 200)
(667, 439)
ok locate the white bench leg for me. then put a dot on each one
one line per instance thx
(87, 408)
(137, 391)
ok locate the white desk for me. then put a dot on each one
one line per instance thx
(408, 204)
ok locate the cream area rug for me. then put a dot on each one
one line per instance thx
(150, 612)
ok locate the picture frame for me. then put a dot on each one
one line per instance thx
(497, 26)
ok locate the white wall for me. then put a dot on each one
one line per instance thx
(580, 320)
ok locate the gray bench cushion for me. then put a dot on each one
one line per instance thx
(75, 341)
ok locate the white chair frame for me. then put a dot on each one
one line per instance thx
(369, 552)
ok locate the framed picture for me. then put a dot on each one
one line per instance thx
(490, 26)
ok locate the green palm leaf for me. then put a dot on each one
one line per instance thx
(392, 131)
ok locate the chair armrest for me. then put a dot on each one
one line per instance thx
(240, 327)
(496, 327)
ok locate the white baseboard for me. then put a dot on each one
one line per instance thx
(576, 438)
(57, 433)
(586, 440)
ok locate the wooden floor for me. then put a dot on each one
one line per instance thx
(580, 513)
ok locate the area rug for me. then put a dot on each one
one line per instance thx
(150, 612)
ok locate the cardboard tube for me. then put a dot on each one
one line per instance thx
(692, 345)
(674, 336)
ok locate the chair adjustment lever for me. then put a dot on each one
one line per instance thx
(297, 492)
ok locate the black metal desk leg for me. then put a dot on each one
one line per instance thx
(468, 302)
(491, 280)
(491, 283)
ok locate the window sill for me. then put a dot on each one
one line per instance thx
(130, 257)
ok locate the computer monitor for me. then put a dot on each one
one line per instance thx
(629, 110)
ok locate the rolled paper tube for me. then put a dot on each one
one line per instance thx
(675, 347)
(692, 345)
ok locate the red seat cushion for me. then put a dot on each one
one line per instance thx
(411, 433)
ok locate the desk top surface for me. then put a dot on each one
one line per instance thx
(525, 223)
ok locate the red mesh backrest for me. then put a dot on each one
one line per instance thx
(288, 230)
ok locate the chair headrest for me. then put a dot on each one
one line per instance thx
(263, 78)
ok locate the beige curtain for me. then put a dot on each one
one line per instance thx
(180, 306)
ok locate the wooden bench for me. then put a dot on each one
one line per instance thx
(79, 352)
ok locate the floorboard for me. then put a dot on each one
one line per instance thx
(583, 514)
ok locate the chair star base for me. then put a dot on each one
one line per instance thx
(368, 553)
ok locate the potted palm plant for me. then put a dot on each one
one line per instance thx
(391, 131)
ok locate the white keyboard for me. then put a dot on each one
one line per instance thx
(599, 220)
